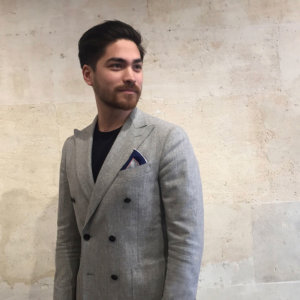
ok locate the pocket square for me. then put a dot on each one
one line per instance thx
(134, 160)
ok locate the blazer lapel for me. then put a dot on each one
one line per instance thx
(133, 133)
(83, 153)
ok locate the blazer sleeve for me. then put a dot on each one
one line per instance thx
(182, 200)
(68, 242)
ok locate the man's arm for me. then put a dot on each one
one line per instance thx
(68, 240)
(182, 199)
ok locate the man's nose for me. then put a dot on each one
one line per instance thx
(129, 76)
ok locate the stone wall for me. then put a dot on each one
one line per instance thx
(226, 71)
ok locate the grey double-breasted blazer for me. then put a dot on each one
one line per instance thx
(135, 233)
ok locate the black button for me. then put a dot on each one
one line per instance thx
(127, 200)
(73, 200)
(112, 238)
(114, 277)
(86, 237)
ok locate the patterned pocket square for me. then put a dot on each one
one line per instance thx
(134, 160)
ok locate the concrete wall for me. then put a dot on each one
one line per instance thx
(227, 71)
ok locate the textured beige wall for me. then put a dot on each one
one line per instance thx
(226, 71)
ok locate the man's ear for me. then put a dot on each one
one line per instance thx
(88, 73)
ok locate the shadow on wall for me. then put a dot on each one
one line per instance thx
(28, 231)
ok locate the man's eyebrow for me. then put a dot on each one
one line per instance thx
(121, 60)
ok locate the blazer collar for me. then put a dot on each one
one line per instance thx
(132, 135)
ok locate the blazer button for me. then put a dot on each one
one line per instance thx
(127, 200)
(112, 238)
(73, 200)
(114, 277)
(86, 237)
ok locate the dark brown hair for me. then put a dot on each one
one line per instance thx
(93, 42)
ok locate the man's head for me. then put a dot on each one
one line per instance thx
(111, 58)
(93, 43)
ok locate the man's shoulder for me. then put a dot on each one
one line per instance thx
(162, 127)
(82, 134)
(68, 144)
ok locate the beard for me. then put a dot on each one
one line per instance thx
(117, 98)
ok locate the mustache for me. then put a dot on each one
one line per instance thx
(132, 87)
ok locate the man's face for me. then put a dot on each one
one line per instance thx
(117, 80)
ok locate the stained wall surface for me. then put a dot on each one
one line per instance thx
(227, 71)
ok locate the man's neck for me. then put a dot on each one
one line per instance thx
(110, 118)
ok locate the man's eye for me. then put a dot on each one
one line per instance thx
(115, 66)
(137, 67)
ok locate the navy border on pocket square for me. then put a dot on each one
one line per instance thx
(134, 160)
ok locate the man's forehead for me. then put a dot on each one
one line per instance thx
(122, 49)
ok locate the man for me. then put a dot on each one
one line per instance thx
(130, 217)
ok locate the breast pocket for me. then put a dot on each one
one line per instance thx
(135, 173)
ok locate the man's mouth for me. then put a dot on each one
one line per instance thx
(128, 90)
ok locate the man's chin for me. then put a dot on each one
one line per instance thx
(125, 104)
